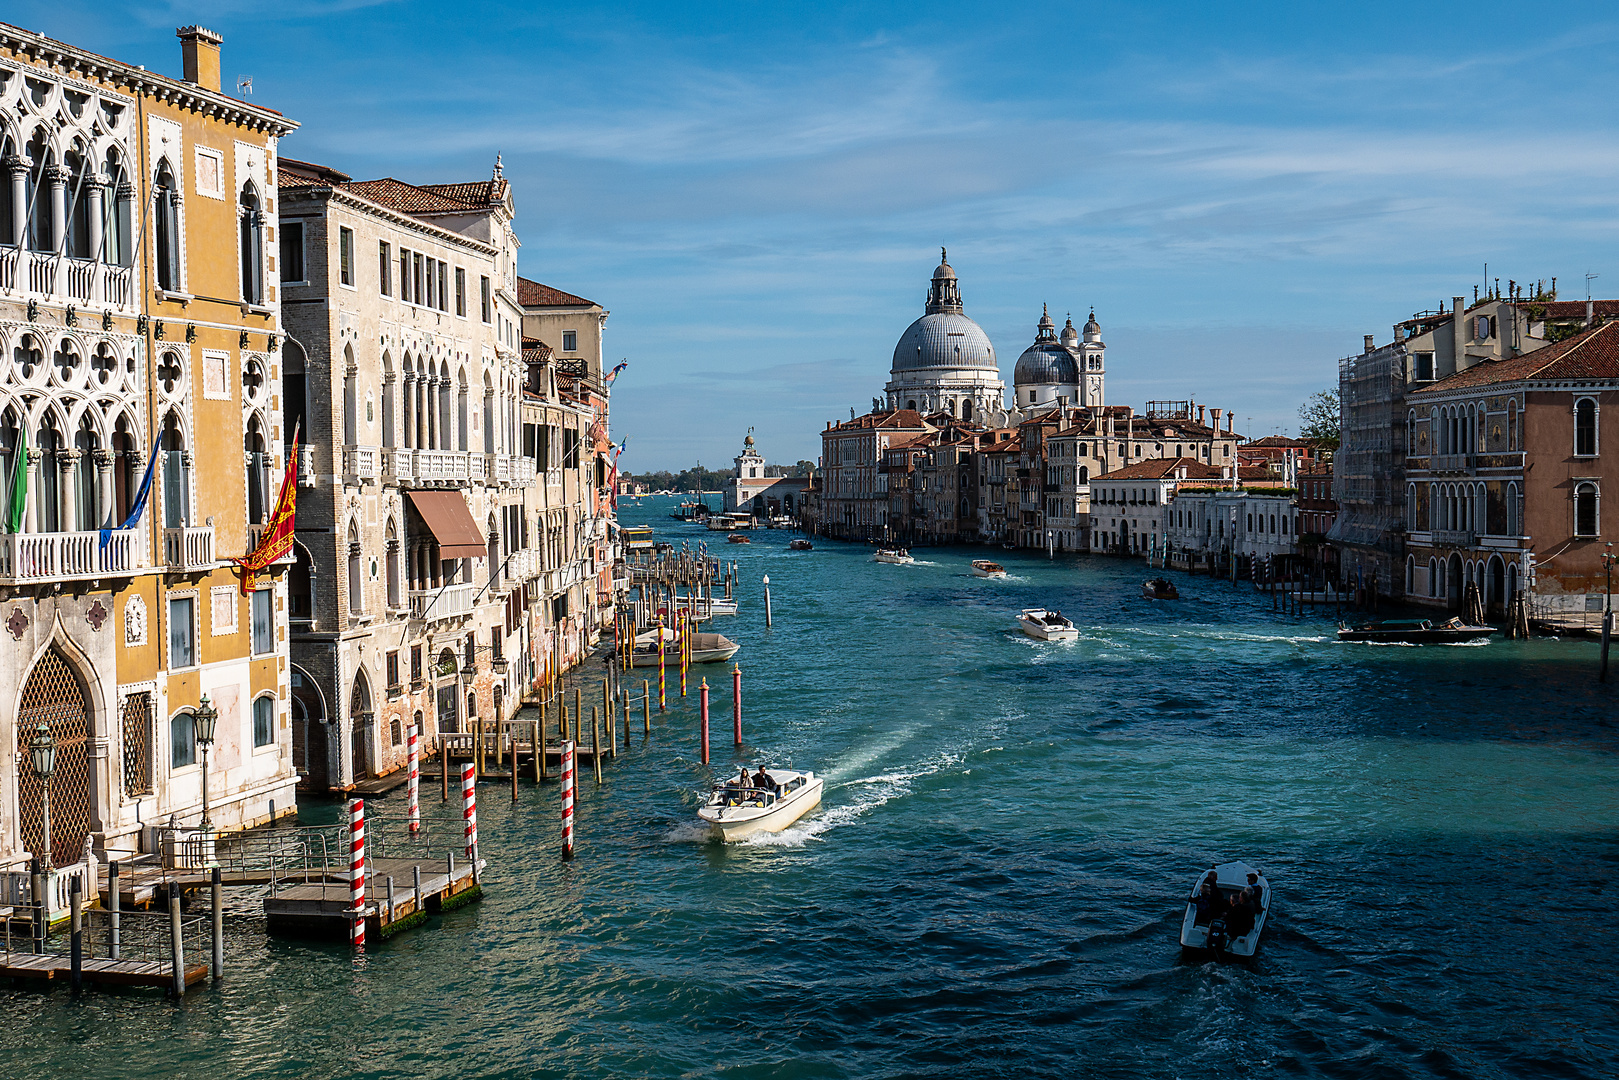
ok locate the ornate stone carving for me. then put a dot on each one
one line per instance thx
(96, 615)
(135, 621)
(17, 623)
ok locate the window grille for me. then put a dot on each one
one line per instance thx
(136, 723)
(52, 696)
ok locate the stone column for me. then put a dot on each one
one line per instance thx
(31, 516)
(67, 462)
(57, 177)
(16, 168)
(105, 460)
(95, 194)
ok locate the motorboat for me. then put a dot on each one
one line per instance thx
(1414, 632)
(1046, 625)
(896, 556)
(705, 648)
(739, 538)
(1210, 923)
(1160, 589)
(737, 809)
(800, 545)
(985, 568)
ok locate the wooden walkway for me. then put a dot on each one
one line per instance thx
(325, 908)
(99, 970)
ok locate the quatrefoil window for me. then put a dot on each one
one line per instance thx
(104, 364)
(169, 372)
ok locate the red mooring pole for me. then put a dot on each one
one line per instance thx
(703, 692)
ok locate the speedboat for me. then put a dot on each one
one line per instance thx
(985, 568)
(897, 556)
(1414, 632)
(739, 538)
(1208, 925)
(800, 545)
(1046, 625)
(1160, 589)
(736, 810)
(705, 649)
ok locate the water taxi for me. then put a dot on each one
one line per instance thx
(896, 556)
(1414, 632)
(705, 649)
(800, 545)
(1046, 625)
(1160, 589)
(742, 808)
(1213, 923)
(985, 568)
(739, 538)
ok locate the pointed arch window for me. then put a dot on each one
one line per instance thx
(356, 581)
(257, 457)
(176, 475)
(166, 222)
(251, 214)
(1585, 428)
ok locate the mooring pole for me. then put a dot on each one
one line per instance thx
(216, 900)
(357, 874)
(768, 620)
(114, 912)
(413, 811)
(76, 936)
(702, 693)
(567, 800)
(736, 700)
(176, 947)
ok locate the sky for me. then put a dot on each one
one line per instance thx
(758, 192)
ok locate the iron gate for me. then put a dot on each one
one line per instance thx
(53, 696)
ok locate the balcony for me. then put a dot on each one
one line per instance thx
(503, 469)
(446, 602)
(441, 466)
(359, 464)
(398, 466)
(84, 281)
(1451, 463)
(524, 470)
(255, 533)
(26, 557)
(189, 549)
(1455, 538)
(478, 468)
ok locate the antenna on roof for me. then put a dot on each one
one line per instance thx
(1588, 279)
(244, 85)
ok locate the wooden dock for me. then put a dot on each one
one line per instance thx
(98, 969)
(325, 909)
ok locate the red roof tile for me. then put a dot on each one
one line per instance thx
(1163, 469)
(533, 294)
(406, 197)
(1590, 354)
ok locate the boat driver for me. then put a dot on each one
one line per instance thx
(762, 780)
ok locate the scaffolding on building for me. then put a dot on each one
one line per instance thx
(1369, 466)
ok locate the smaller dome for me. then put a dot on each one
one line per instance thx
(944, 271)
(1092, 327)
(1046, 363)
(1070, 336)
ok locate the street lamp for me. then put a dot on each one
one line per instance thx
(42, 755)
(203, 721)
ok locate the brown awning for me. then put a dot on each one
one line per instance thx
(451, 522)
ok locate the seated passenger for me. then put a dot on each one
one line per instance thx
(1239, 920)
(762, 780)
(1207, 901)
(1257, 891)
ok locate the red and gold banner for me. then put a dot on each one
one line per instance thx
(276, 540)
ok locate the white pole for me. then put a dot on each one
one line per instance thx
(412, 809)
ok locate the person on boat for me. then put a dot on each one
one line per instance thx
(1239, 919)
(1256, 892)
(762, 780)
(1206, 900)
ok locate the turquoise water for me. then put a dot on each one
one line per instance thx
(992, 887)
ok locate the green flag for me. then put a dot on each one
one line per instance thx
(17, 497)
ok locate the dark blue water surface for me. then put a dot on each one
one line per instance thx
(993, 885)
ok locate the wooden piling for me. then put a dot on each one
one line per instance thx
(646, 705)
(76, 936)
(514, 770)
(703, 699)
(115, 943)
(539, 751)
(612, 721)
(736, 700)
(443, 767)
(216, 904)
(578, 711)
(177, 956)
(595, 744)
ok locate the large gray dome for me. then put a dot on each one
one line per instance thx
(1046, 362)
(944, 340)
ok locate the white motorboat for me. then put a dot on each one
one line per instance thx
(717, 606)
(735, 810)
(705, 649)
(985, 568)
(1212, 924)
(1046, 625)
(896, 556)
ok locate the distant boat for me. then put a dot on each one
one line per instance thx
(1212, 925)
(1046, 625)
(801, 545)
(739, 538)
(896, 556)
(740, 809)
(985, 568)
(705, 649)
(1414, 632)
(1160, 589)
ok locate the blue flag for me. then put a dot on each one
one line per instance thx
(139, 507)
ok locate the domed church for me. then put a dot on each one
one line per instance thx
(944, 361)
(1056, 370)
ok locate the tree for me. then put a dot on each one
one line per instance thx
(1320, 419)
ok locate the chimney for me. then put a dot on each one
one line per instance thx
(199, 49)
(1229, 417)
(1460, 357)
(1216, 414)
(1200, 419)
(1368, 346)
(1590, 311)
(1399, 333)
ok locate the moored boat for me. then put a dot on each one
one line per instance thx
(1046, 625)
(1415, 632)
(896, 556)
(705, 649)
(985, 568)
(800, 545)
(1226, 915)
(743, 807)
(1160, 589)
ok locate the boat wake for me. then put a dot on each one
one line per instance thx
(856, 798)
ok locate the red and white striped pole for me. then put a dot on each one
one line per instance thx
(567, 800)
(357, 873)
(469, 813)
(703, 694)
(413, 811)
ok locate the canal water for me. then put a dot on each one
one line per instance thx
(995, 882)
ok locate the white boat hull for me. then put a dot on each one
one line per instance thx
(980, 572)
(893, 560)
(1195, 936)
(1044, 631)
(730, 823)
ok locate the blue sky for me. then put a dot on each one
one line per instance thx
(758, 192)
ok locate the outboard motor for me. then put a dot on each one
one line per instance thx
(1217, 934)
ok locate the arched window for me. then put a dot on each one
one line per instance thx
(389, 389)
(356, 580)
(1512, 425)
(1411, 434)
(256, 454)
(396, 731)
(1433, 578)
(1585, 428)
(117, 237)
(263, 720)
(166, 218)
(38, 196)
(176, 475)
(1512, 509)
(252, 241)
(445, 439)
(966, 410)
(461, 418)
(1587, 509)
(1411, 509)
(1084, 474)
(396, 597)
(182, 740)
(1410, 575)
(351, 418)
(488, 415)
(408, 409)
